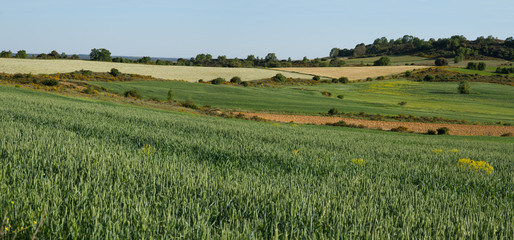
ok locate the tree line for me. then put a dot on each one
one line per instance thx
(456, 46)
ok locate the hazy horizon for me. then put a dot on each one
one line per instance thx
(172, 29)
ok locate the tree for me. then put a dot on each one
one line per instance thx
(441, 62)
(481, 66)
(383, 61)
(336, 62)
(236, 80)
(21, 54)
(170, 95)
(472, 65)
(334, 52)
(54, 54)
(464, 87)
(271, 57)
(101, 54)
(145, 60)
(5, 54)
(359, 50)
(115, 72)
(75, 57)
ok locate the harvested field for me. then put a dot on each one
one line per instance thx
(455, 129)
(190, 74)
(352, 73)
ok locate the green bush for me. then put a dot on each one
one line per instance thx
(340, 96)
(402, 103)
(316, 78)
(218, 81)
(383, 61)
(472, 66)
(431, 132)
(115, 72)
(443, 131)
(236, 80)
(481, 66)
(170, 96)
(441, 62)
(343, 80)
(132, 93)
(50, 82)
(428, 78)
(245, 84)
(189, 104)
(279, 78)
(333, 111)
(408, 73)
(400, 129)
(464, 87)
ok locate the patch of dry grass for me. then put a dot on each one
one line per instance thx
(191, 74)
(352, 73)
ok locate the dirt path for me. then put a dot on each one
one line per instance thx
(455, 129)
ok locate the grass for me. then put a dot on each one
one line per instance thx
(191, 74)
(487, 103)
(119, 172)
(395, 60)
(489, 71)
(352, 73)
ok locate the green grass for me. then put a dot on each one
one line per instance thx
(487, 103)
(489, 71)
(395, 60)
(203, 177)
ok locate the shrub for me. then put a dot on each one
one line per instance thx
(154, 99)
(316, 78)
(441, 62)
(132, 93)
(481, 66)
(431, 132)
(189, 104)
(170, 96)
(464, 87)
(115, 72)
(328, 94)
(340, 96)
(50, 82)
(380, 78)
(408, 73)
(333, 111)
(343, 80)
(88, 90)
(400, 129)
(218, 81)
(509, 134)
(428, 78)
(472, 66)
(245, 84)
(383, 61)
(200, 80)
(279, 78)
(443, 131)
(236, 80)
(369, 79)
(402, 103)
(458, 59)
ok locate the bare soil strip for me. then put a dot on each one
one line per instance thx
(455, 129)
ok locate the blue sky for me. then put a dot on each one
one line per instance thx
(289, 28)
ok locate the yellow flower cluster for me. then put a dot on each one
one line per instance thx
(441, 150)
(476, 166)
(147, 150)
(359, 161)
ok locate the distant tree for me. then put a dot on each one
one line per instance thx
(472, 65)
(144, 60)
(383, 61)
(21, 54)
(464, 87)
(441, 62)
(101, 54)
(54, 54)
(336, 62)
(481, 66)
(170, 96)
(63, 55)
(271, 57)
(360, 50)
(334, 52)
(458, 58)
(75, 57)
(250, 58)
(5, 54)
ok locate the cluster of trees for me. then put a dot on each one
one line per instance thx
(23, 54)
(455, 46)
(476, 66)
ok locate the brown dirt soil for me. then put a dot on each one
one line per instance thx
(455, 129)
(352, 73)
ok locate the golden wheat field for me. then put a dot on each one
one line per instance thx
(191, 74)
(352, 73)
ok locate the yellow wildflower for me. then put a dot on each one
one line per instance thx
(476, 166)
(453, 150)
(34, 222)
(296, 151)
(437, 150)
(359, 161)
(6, 229)
(12, 202)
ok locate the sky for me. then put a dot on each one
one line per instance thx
(238, 28)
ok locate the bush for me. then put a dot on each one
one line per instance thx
(236, 80)
(340, 96)
(431, 132)
(472, 66)
(50, 82)
(464, 87)
(458, 59)
(428, 78)
(441, 62)
(380, 78)
(400, 129)
(383, 61)
(443, 131)
(218, 81)
(328, 94)
(344, 80)
(408, 73)
(189, 104)
(115, 72)
(245, 84)
(402, 103)
(279, 78)
(333, 111)
(509, 134)
(481, 66)
(170, 96)
(369, 79)
(316, 78)
(132, 93)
